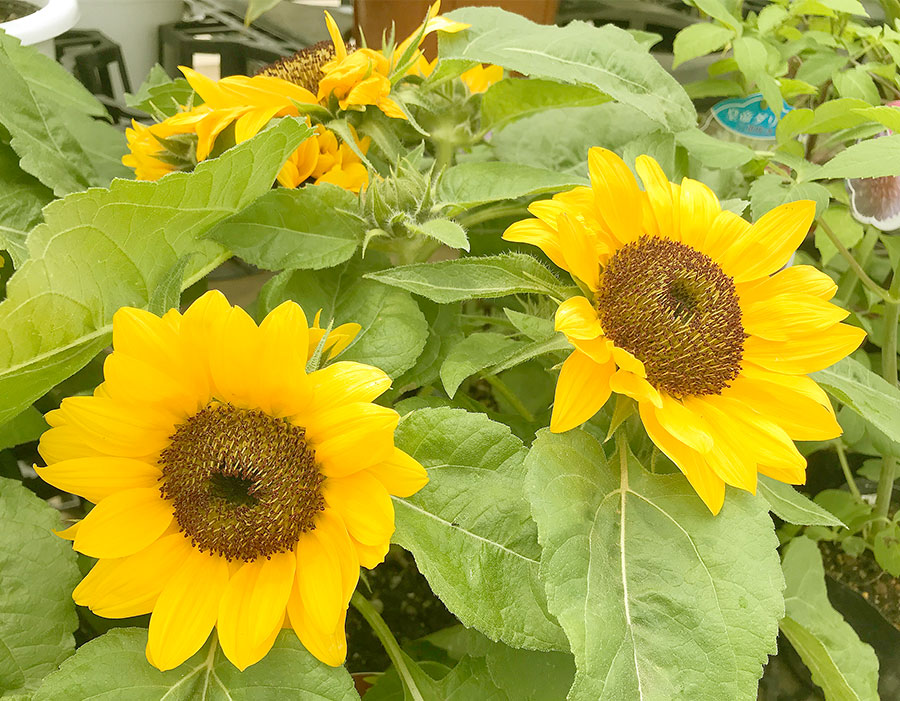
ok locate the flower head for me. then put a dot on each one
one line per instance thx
(689, 313)
(233, 490)
(148, 156)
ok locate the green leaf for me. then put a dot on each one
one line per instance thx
(514, 98)
(841, 664)
(699, 39)
(868, 394)
(857, 83)
(606, 58)
(104, 249)
(846, 228)
(887, 549)
(393, 332)
(21, 199)
(37, 575)
(770, 17)
(159, 94)
(659, 598)
(312, 227)
(791, 506)
(477, 352)
(104, 145)
(535, 349)
(38, 127)
(718, 11)
(468, 185)
(884, 114)
(476, 546)
(27, 426)
(447, 232)
(854, 7)
(873, 158)
(769, 191)
(472, 278)
(255, 8)
(114, 666)
(751, 56)
(444, 330)
(837, 114)
(713, 152)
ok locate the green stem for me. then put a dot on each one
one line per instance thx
(845, 466)
(508, 394)
(889, 372)
(388, 641)
(861, 252)
(891, 10)
(467, 221)
(856, 267)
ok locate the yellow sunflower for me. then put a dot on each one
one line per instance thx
(147, 155)
(364, 76)
(232, 489)
(481, 77)
(689, 312)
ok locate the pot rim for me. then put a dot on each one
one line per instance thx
(54, 18)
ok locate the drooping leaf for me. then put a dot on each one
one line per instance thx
(104, 249)
(477, 352)
(866, 393)
(841, 664)
(114, 666)
(312, 227)
(470, 278)
(477, 547)
(606, 58)
(791, 506)
(659, 598)
(37, 575)
(514, 98)
(393, 332)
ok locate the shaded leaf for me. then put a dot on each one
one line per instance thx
(477, 352)
(791, 506)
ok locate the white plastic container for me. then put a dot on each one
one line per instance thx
(134, 25)
(40, 28)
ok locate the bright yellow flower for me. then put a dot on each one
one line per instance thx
(233, 490)
(363, 77)
(145, 148)
(482, 77)
(689, 313)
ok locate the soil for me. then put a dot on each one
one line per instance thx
(14, 9)
(863, 575)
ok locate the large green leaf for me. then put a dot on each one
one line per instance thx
(470, 184)
(514, 98)
(114, 666)
(471, 278)
(469, 528)
(315, 226)
(844, 666)
(21, 199)
(37, 575)
(607, 58)
(873, 158)
(394, 331)
(104, 249)
(659, 598)
(866, 393)
(38, 127)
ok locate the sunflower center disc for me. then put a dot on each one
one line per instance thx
(243, 484)
(674, 309)
(304, 68)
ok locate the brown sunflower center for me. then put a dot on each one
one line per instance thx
(242, 483)
(304, 68)
(673, 308)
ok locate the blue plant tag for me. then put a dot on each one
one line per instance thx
(746, 116)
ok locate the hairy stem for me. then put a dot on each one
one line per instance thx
(845, 466)
(889, 372)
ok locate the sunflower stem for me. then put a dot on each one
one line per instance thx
(388, 641)
(889, 372)
(500, 386)
(467, 221)
(855, 266)
(845, 466)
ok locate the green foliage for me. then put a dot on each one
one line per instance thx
(55, 319)
(614, 539)
(478, 548)
(791, 506)
(114, 666)
(845, 667)
(21, 198)
(37, 575)
(514, 98)
(470, 184)
(606, 58)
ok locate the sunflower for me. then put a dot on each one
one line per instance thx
(233, 489)
(248, 104)
(687, 310)
(364, 76)
(481, 77)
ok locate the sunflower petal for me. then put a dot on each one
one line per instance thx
(123, 523)
(329, 647)
(636, 387)
(346, 382)
(581, 390)
(96, 478)
(352, 437)
(577, 318)
(401, 475)
(537, 233)
(618, 199)
(801, 356)
(364, 505)
(580, 251)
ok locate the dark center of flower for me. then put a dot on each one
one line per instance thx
(243, 484)
(674, 309)
(304, 68)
